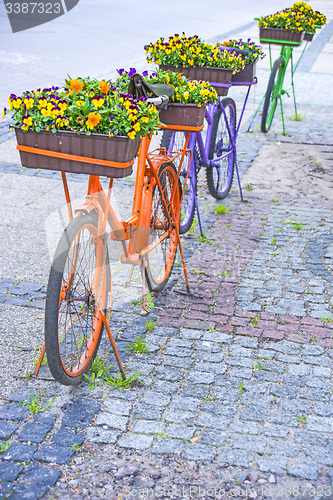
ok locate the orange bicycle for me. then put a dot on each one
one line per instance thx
(79, 291)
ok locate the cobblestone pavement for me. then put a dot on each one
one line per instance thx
(238, 391)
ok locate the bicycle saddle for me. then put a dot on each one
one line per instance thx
(139, 87)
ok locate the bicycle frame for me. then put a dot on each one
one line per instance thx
(286, 54)
(135, 230)
(197, 139)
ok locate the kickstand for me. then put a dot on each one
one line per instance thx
(129, 277)
(39, 363)
(144, 287)
(113, 344)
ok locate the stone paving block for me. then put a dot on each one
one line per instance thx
(195, 390)
(284, 448)
(322, 455)
(9, 471)
(29, 491)
(206, 419)
(312, 350)
(6, 488)
(19, 452)
(321, 424)
(135, 441)
(180, 416)
(216, 368)
(54, 453)
(117, 406)
(34, 432)
(218, 408)
(238, 458)
(77, 419)
(298, 370)
(319, 371)
(114, 421)
(178, 362)
(197, 377)
(276, 430)
(7, 429)
(151, 398)
(314, 394)
(207, 348)
(305, 437)
(102, 436)
(148, 427)
(234, 361)
(179, 431)
(213, 437)
(67, 437)
(195, 451)
(42, 474)
(317, 383)
(169, 374)
(12, 411)
(316, 360)
(250, 443)
(323, 409)
(165, 387)
(168, 446)
(150, 412)
(217, 337)
(165, 331)
(283, 391)
(245, 427)
(190, 334)
(275, 464)
(185, 403)
(303, 469)
(17, 300)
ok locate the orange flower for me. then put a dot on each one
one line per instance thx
(76, 86)
(226, 44)
(104, 86)
(93, 120)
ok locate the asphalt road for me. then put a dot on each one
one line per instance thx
(95, 38)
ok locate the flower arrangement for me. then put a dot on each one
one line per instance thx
(84, 105)
(255, 51)
(185, 92)
(183, 51)
(318, 18)
(295, 21)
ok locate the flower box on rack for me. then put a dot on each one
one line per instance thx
(214, 76)
(308, 37)
(183, 115)
(95, 154)
(245, 75)
(279, 36)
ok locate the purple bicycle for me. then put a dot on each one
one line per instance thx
(217, 153)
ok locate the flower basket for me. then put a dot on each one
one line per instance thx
(279, 36)
(67, 151)
(215, 76)
(184, 115)
(245, 75)
(308, 37)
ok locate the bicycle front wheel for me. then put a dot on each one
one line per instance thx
(77, 290)
(173, 141)
(220, 173)
(272, 95)
(158, 262)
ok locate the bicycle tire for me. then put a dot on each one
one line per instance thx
(157, 265)
(271, 97)
(190, 190)
(73, 323)
(219, 175)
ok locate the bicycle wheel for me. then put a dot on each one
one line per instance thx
(174, 141)
(220, 174)
(79, 282)
(159, 261)
(272, 95)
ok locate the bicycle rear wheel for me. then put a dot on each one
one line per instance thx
(78, 288)
(220, 174)
(174, 141)
(273, 93)
(158, 263)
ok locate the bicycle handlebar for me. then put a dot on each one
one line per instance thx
(162, 100)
